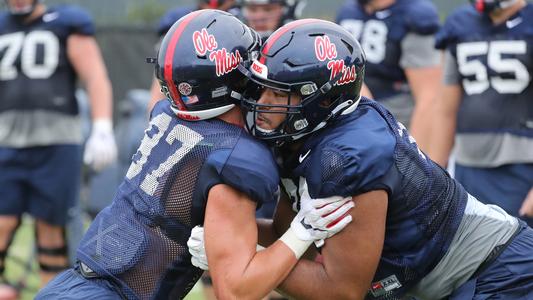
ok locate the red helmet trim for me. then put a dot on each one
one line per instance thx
(213, 4)
(276, 35)
(480, 5)
(169, 55)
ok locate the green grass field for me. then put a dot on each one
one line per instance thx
(22, 251)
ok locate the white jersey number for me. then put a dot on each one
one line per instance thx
(498, 60)
(372, 35)
(161, 124)
(25, 46)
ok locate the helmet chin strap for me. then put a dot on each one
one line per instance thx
(191, 115)
(343, 108)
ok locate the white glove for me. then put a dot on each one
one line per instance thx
(319, 219)
(101, 149)
(197, 249)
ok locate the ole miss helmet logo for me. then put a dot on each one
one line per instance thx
(225, 61)
(326, 50)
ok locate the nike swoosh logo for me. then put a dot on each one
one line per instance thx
(513, 23)
(302, 157)
(49, 17)
(383, 14)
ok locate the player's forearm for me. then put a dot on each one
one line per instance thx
(255, 278)
(100, 95)
(424, 83)
(311, 280)
(444, 124)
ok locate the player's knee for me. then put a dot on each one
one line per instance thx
(52, 248)
(8, 226)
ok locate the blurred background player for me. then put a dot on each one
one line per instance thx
(485, 109)
(42, 53)
(403, 66)
(170, 18)
(265, 16)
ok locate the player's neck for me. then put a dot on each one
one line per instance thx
(233, 116)
(378, 5)
(39, 10)
(502, 15)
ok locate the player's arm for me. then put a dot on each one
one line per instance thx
(422, 65)
(238, 271)
(84, 55)
(445, 113)
(350, 258)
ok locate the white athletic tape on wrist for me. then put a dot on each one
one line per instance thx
(297, 245)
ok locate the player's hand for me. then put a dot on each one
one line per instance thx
(527, 206)
(321, 218)
(197, 249)
(101, 149)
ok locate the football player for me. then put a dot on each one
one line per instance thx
(486, 102)
(43, 51)
(196, 165)
(265, 16)
(416, 232)
(403, 66)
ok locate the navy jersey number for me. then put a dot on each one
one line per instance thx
(498, 60)
(372, 35)
(160, 125)
(25, 46)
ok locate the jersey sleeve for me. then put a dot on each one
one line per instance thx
(448, 34)
(422, 18)
(346, 168)
(418, 51)
(347, 10)
(249, 168)
(78, 20)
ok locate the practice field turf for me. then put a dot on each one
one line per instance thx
(19, 272)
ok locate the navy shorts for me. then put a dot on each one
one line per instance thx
(71, 285)
(42, 181)
(506, 186)
(509, 277)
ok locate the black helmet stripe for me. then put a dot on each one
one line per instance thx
(169, 55)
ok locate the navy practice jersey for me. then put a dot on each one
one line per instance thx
(36, 75)
(368, 150)
(494, 64)
(381, 35)
(140, 240)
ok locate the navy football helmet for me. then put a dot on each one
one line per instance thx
(315, 59)
(487, 6)
(198, 59)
